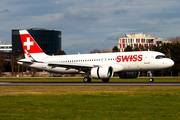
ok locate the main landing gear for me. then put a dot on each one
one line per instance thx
(105, 80)
(87, 79)
(150, 74)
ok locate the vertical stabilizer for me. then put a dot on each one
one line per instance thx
(30, 47)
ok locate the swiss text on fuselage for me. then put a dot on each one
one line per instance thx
(129, 58)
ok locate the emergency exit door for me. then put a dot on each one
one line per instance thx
(147, 59)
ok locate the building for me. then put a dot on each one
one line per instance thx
(5, 47)
(48, 40)
(136, 40)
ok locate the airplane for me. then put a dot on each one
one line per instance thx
(98, 65)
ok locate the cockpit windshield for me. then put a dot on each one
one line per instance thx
(160, 56)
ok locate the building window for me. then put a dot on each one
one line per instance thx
(149, 40)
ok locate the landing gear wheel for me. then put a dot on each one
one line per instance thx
(151, 79)
(87, 79)
(105, 80)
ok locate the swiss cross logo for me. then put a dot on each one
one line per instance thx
(28, 43)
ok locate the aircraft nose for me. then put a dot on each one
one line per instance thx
(170, 63)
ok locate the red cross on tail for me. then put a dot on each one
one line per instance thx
(29, 43)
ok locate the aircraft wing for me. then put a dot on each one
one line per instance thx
(72, 65)
(80, 66)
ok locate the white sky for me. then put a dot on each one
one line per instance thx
(91, 24)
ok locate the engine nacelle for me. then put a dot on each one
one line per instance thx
(126, 75)
(102, 72)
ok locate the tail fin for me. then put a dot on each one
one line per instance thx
(30, 47)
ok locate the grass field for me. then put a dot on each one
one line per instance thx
(89, 102)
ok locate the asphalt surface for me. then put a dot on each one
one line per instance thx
(89, 84)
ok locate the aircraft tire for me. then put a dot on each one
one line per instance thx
(105, 80)
(151, 79)
(87, 79)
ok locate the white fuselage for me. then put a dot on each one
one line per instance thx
(120, 61)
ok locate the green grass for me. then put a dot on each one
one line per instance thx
(89, 102)
(61, 79)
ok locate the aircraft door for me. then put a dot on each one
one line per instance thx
(147, 59)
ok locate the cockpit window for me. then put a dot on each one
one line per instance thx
(160, 56)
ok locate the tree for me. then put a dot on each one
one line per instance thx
(96, 51)
(33, 72)
(141, 47)
(2, 57)
(20, 67)
(13, 64)
(115, 49)
(136, 49)
(61, 52)
(106, 51)
(174, 40)
(174, 52)
(128, 48)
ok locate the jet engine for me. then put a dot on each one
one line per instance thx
(126, 75)
(102, 72)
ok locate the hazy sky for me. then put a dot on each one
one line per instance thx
(91, 24)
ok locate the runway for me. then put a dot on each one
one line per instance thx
(89, 84)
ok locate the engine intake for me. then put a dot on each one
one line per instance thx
(102, 72)
(126, 75)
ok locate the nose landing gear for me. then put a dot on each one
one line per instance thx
(150, 74)
(151, 79)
